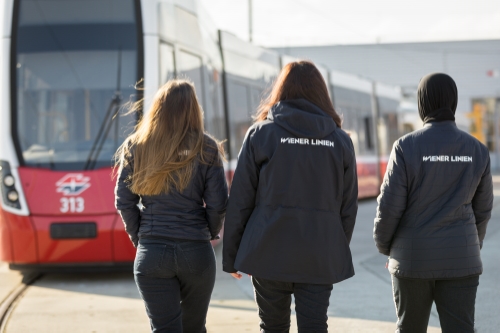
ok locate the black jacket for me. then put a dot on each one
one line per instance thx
(293, 201)
(177, 215)
(435, 203)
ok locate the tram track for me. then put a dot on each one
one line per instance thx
(8, 304)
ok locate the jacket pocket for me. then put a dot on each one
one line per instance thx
(149, 258)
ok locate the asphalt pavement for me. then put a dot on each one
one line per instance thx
(109, 302)
(364, 303)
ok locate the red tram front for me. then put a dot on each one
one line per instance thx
(70, 66)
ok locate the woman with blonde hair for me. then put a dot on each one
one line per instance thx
(293, 203)
(174, 170)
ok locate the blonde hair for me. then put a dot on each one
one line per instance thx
(167, 141)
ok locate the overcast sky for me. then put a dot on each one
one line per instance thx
(320, 22)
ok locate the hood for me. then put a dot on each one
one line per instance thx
(437, 98)
(302, 118)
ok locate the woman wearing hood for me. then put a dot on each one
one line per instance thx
(293, 203)
(435, 203)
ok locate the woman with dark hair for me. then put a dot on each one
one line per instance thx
(174, 169)
(293, 203)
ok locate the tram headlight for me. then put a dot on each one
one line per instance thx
(13, 196)
(9, 181)
(8, 192)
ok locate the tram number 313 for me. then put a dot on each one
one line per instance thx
(72, 205)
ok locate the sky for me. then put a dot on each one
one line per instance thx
(323, 22)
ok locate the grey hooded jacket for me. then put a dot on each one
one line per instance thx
(437, 194)
(435, 203)
(293, 201)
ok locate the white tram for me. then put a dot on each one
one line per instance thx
(68, 67)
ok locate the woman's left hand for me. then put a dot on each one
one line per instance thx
(236, 275)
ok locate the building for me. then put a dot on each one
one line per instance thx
(474, 65)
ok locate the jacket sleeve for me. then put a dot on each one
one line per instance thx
(349, 208)
(241, 202)
(482, 203)
(126, 202)
(215, 196)
(391, 201)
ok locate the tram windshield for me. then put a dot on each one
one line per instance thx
(76, 67)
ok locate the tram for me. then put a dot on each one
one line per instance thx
(68, 69)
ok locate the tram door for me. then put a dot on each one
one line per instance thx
(167, 63)
(190, 66)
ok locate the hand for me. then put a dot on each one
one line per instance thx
(236, 275)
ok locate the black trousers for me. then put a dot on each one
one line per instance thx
(175, 280)
(274, 299)
(455, 302)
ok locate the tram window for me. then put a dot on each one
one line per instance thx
(71, 58)
(355, 107)
(73, 12)
(238, 102)
(368, 133)
(190, 66)
(167, 63)
(255, 99)
(214, 114)
(388, 114)
(392, 127)
(239, 117)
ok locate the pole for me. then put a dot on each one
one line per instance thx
(250, 19)
(376, 117)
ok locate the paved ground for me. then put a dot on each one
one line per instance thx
(8, 280)
(110, 302)
(361, 304)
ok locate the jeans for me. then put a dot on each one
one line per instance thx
(274, 299)
(455, 301)
(175, 279)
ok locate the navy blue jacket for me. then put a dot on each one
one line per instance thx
(435, 202)
(176, 215)
(293, 200)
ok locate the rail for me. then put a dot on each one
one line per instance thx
(8, 304)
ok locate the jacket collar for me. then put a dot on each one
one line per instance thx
(441, 123)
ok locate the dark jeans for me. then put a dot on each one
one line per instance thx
(175, 280)
(455, 300)
(274, 299)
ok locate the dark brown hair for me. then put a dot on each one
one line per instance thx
(299, 79)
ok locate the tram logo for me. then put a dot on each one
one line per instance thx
(73, 184)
